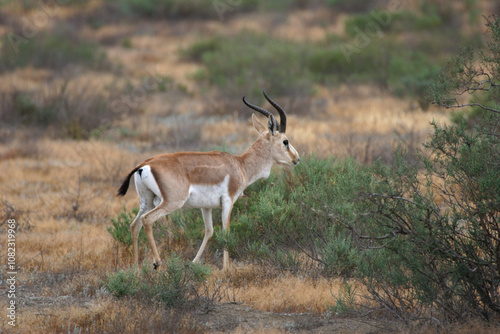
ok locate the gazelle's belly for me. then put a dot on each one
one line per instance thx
(207, 196)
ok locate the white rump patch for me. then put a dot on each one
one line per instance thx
(145, 183)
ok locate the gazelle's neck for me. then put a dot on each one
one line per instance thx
(257, 160)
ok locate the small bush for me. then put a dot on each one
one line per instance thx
(166, 8)
(187, 9)
(245, 63)
(172, 287)
(66, 110)
(350, 6)
(403, 72)
(411, 75)
(372, 23)
(123, 283)
(345, 301)
(120, 229)
(182, 9)
(54, 50)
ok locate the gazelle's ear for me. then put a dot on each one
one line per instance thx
(257, 124)
(273, 125)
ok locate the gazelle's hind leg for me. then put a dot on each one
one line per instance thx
(146, 199)
(135, 229)
(150, 217)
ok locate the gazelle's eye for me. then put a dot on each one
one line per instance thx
(285, 142)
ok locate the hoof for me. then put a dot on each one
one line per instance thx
(156, 266)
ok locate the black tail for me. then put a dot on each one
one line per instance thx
(124, 187)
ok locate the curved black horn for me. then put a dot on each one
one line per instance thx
(259, 109)
(280, 111)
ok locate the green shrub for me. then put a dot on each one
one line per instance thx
(171, 287)
(64, 110)
(123, 283)
(181, 9)
(338, 65)
(196, 50)
(120, 229)
(411, 74)
(244, 63)
(377, 23)
(185, 9)
(439, 234)
(434, 249)
(53, 50)
(166, 8)
(248, 61)
(328, 65)
(291, 213)
(345, 301)
(350, 6)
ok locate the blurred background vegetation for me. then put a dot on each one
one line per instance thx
(395, 46)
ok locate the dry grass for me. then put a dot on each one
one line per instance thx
(105, 315)
(285, 293)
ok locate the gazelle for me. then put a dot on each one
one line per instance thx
(208, 180)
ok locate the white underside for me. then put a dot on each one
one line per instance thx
(207, 196)
(199, 195)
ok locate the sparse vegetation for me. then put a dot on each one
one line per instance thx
(345, 301)
(178, 9)
(120, 231)
(55, 50)
(246, 61)
(68, 110)
(172, 287)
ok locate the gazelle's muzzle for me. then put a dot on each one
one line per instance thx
(295, 156)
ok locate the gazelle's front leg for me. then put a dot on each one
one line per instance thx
(227, 207)
(209, 231)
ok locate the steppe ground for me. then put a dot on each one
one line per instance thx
(62, 192)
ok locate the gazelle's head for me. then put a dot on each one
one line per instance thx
(282, 151)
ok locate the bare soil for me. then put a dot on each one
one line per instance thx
(238, 317)
(223, 317)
